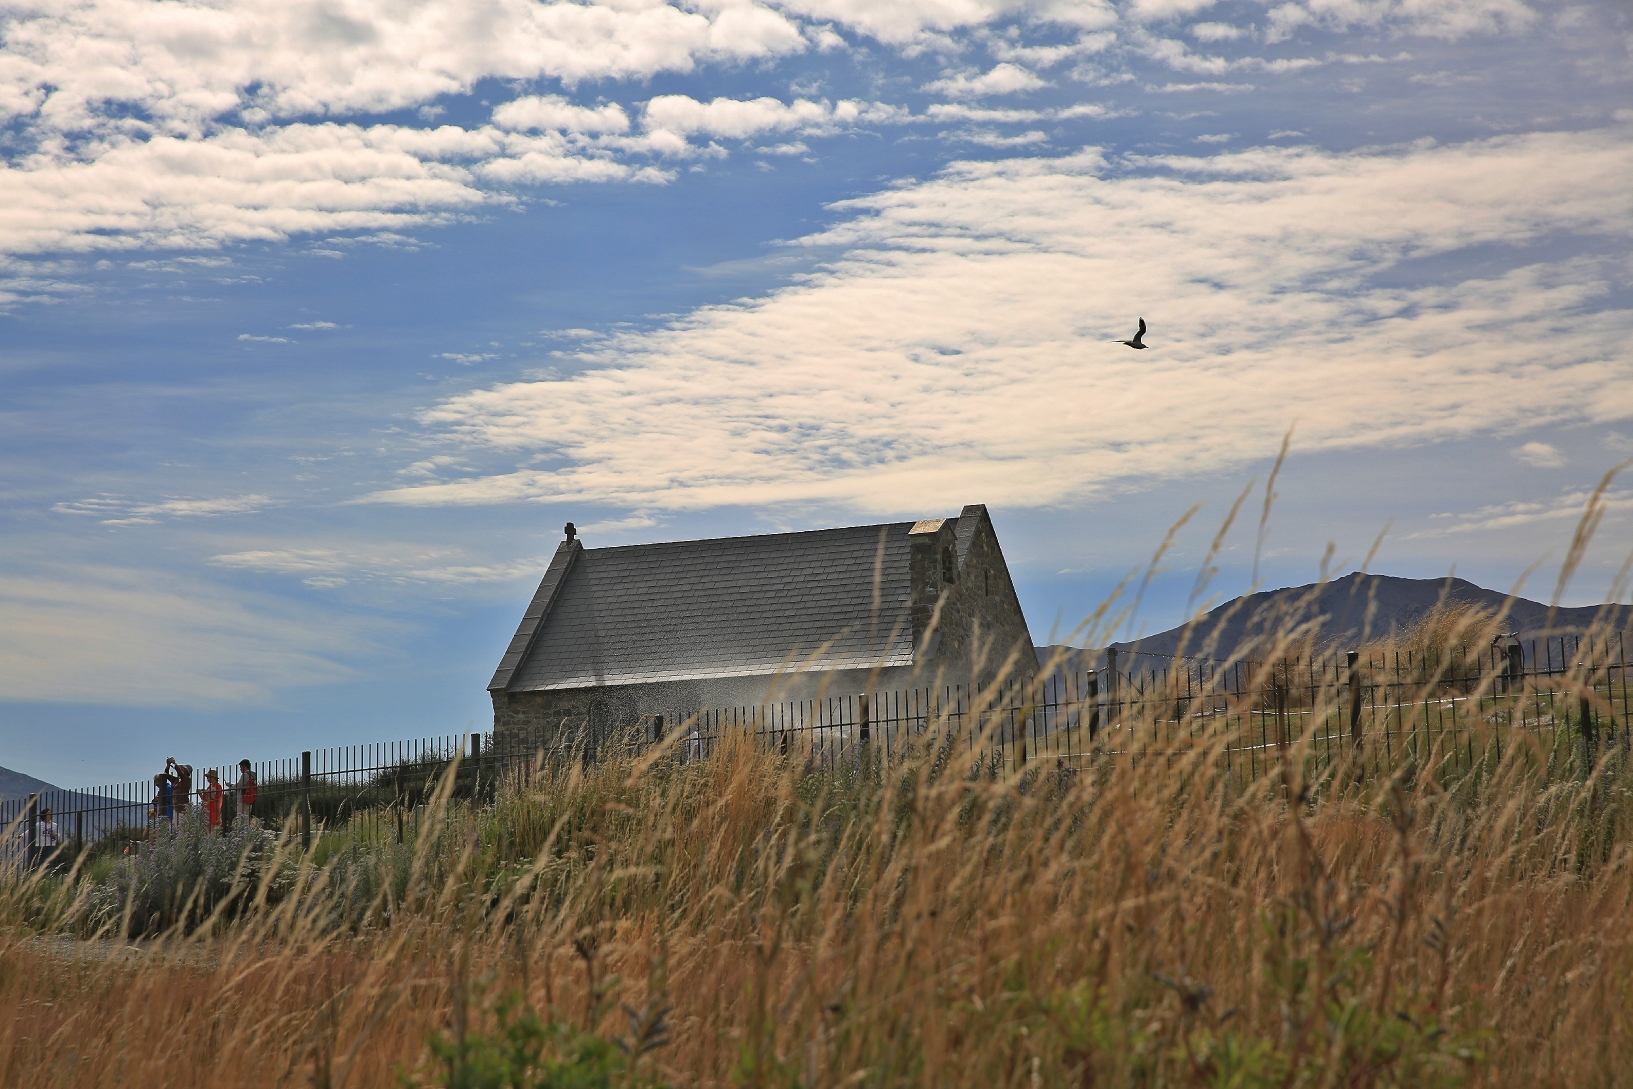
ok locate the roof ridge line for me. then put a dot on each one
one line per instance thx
(555, 577)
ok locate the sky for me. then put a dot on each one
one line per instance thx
(319, 319)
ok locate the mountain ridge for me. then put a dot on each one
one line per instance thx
(1345, 612)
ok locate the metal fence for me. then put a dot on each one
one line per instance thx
(1566, 696)
(385, 786)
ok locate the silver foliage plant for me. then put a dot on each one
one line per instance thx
(182, 874)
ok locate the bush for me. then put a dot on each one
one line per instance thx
(526, 1051)
(180, 876)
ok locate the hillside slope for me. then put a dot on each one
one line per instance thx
(14, 784)
(1345, 612)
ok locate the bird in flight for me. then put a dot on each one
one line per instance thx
(1136, 342)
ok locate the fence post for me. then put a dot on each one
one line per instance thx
(1112, 711)
(1094, 704)
(1278, 695)
(33, 828)
(864, 733)
(1352, 661)
(1590, 735)
(306, 800)
(476, 765)
(657, 729)
(1516, 668)
(79, 832)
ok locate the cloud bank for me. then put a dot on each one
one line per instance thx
(114, 635)
(201, 123)
(964, 346)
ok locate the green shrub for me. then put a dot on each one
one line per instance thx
(181, 875)
(526, 1051)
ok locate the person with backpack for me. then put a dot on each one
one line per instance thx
(244, 790)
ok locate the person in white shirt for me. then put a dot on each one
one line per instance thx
(46, 838)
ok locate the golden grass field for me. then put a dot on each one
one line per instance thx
(747, 920)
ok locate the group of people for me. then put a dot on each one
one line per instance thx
(40, 839)
(173, 794)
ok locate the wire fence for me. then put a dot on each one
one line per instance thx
(1566, 697)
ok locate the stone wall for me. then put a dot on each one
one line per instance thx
(568, 717)
(969, 628)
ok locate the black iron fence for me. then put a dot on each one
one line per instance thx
(384, 785)
(1569, 695)
(1566, 697)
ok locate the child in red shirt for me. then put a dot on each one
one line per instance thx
(212, 799)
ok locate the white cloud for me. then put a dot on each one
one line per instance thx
(125, 511)
(186, 63)
(111, 635)
(1568, 506)
(682, 116)
(616, 526)
(946, 111)
(198, 123)
(1187, 88)
(237, 185)
(39, 281)
(1030, 138)
(1003, 79)
(1215, 32)
(263, 340)
(1047, 56)
(328, 568)
(555, 112)
(201, 123)
(913, 23)
(1157, 10)
(1177, 55)
(965, 346)
(1539, 455)
(904, 22)
(954, 112)
(1446, 19)
(1091, 109)
(315, 325)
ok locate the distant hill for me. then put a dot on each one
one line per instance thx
(1346, 612)
(14, 785)
(100, 814)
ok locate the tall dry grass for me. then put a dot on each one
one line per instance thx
(1164, 922)
(898, 926)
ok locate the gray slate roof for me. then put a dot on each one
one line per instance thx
(731, 607)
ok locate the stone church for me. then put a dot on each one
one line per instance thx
(614, 635)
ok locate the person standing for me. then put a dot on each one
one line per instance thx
(211, 795)
(183, 786)
(163, 796)
(47, 838)
(244, 792)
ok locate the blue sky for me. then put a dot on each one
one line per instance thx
(317, 320)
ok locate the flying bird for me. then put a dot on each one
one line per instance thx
(1136, 342)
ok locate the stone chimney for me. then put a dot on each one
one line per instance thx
(933, 569)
